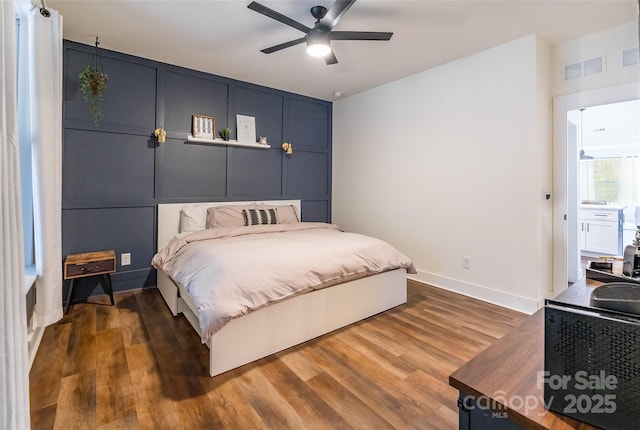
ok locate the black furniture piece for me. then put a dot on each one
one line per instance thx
(592, 358)
(592, 365)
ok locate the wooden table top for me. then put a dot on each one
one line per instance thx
(90, 257)
(508, 370)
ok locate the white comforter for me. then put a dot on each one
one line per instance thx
(229, 272)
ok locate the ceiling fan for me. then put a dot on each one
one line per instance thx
(319, 37)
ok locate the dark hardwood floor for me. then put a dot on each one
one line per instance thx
(134, 366)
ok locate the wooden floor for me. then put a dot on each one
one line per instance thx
(116, 367)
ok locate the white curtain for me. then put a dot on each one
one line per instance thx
(629, 182)
(624, 171)
(14, 373)
(40, 85)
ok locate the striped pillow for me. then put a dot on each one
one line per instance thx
(260, 216)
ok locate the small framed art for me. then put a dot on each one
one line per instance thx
(246, 128)
(204, 127)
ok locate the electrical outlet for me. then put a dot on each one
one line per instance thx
(125, 259)
(466, 262)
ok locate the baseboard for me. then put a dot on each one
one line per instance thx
(35, 337)
(500, 298)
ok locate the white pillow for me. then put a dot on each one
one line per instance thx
(193, 218)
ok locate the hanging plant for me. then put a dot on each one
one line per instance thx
(93, 83)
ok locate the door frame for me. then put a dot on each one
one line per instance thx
(566, 255)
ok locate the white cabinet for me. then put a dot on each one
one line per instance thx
(600, 237)
(601, 230)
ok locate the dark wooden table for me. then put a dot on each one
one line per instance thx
(88, 264)
(506, 374)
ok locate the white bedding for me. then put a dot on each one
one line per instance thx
(228, 272)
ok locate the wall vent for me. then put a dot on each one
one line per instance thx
(579, 69)
(631, 57)
(573, 70)
(593, 66)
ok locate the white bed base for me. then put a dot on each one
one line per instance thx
(283, 324)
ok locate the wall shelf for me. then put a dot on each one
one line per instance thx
(190, 138)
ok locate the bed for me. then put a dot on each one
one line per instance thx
(282, 324)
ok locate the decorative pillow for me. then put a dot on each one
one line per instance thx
(260, 216)
(286, 213)
(193, 218)
(226, 216)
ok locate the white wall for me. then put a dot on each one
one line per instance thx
(609, 43)
(452, 162)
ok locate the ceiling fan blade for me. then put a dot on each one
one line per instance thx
(330, 58)
(336, 12)
(360, 35)
(278, 16)
(283, 45)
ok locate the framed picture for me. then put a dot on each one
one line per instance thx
(204, 127)
(246, 128)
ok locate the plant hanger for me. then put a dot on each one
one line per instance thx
(96, 60)
(93, 83)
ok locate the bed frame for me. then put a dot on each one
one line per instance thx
(286, 323)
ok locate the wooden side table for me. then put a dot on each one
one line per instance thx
(101, 263)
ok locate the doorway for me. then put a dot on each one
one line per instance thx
(566, 200)
(608, 176)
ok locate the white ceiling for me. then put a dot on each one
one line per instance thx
(225, 37)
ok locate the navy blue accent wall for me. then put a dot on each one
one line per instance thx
(114, 175)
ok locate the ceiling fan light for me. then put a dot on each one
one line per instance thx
(318, 42)
(318, 49)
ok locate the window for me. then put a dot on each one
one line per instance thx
(25, 158)
(614, 180)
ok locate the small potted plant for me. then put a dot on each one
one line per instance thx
(225, 133)
(93, 85)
